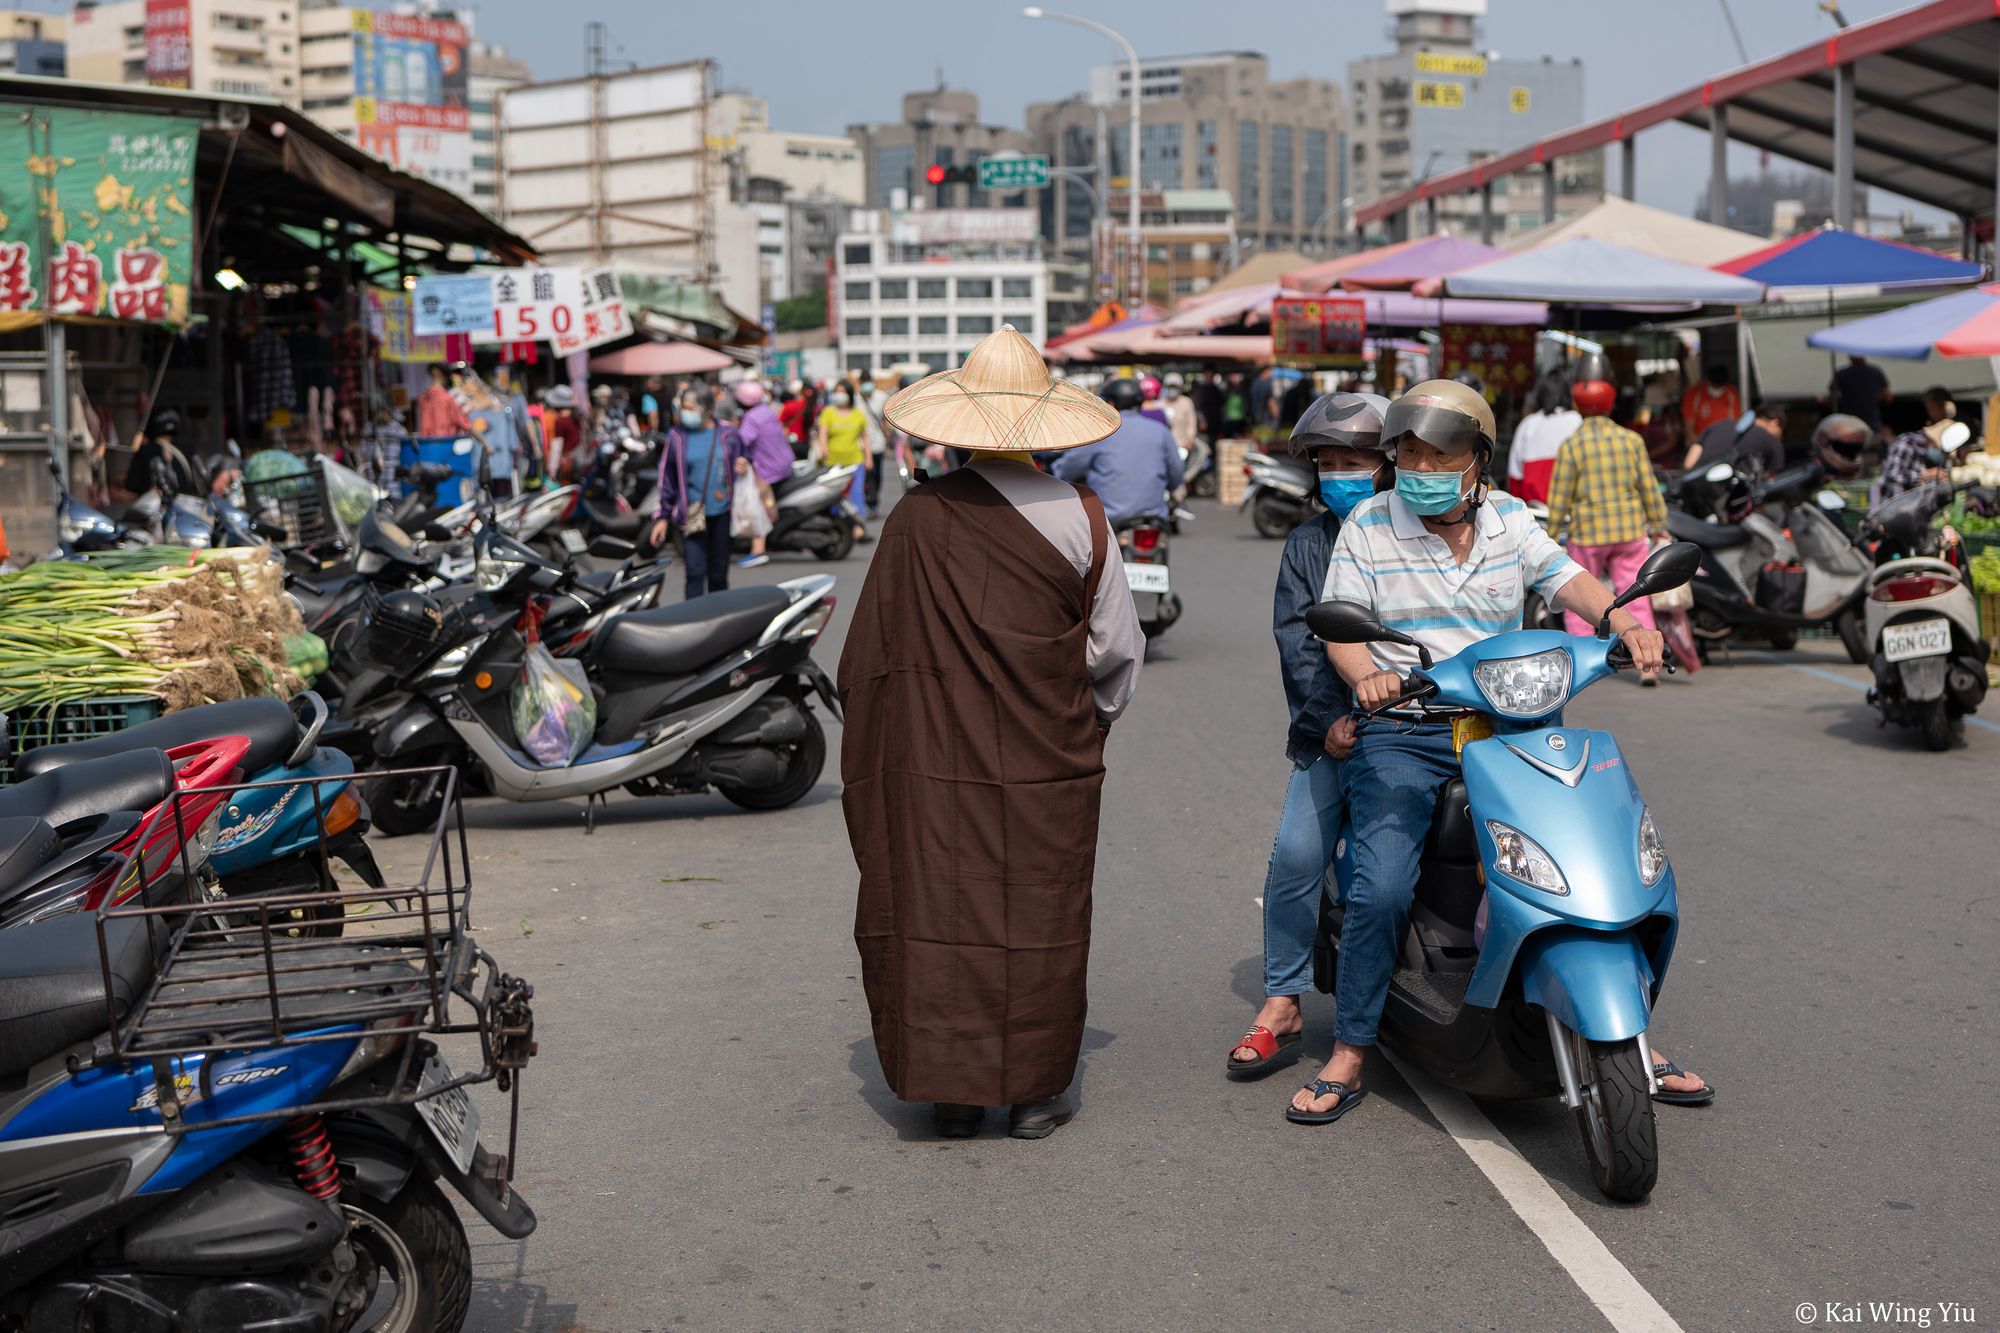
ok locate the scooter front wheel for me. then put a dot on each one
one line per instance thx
(1617, 1121)
(1274, 519)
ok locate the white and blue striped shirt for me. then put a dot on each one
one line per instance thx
(1388, 561)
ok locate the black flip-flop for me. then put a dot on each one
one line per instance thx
(1701, 1096)
(1269, 1047)
(1319, 1087)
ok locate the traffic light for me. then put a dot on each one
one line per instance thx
(939, 174)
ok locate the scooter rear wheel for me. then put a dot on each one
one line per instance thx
(807, 760)
(1272, 517)
(1616, 1119)
(1940, 728)
(840, 548)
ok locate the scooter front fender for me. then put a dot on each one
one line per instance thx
(1598, 983)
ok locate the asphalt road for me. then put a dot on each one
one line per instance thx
(709, 1143)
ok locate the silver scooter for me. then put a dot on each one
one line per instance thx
(1280, 495)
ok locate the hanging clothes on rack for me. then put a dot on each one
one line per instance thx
(271, 388)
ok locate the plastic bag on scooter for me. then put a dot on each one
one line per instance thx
(747, 508)
(555, 714)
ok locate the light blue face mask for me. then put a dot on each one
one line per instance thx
(690, 419)
(1431, 493)
(1344, 490)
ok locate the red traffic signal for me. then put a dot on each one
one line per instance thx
(939, 174)
(935, 174)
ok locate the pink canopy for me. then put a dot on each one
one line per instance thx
(661, 358)
(1431, 257)
(1326, 276)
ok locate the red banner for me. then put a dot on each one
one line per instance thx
(1318, 331)
(169, 43)
(1502, 355)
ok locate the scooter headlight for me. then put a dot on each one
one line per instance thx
(1524, 687)
(1652, 852)
(492, 572)
(1520, 857)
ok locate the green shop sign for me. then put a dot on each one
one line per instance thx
(95, 214)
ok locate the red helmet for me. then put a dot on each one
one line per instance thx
(1594, 398)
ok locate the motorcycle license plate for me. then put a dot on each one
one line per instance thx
(450, 1115)
(1146, 578)
(1466, 730)
(573, 541)
(1922, 638)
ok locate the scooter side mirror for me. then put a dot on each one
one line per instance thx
(1665, 569)
(1954, 437)
(607, 547)
(1831, 501)
(1719, 474)
(1350, 622)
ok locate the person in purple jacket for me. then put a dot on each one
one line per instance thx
(770, 455)
(698, 471)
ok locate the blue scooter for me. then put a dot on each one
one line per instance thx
(1544, 915)
(270, 834)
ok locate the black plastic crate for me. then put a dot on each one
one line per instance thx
(77, 720)
(299, 504)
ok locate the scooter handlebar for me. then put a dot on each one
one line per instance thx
(1619, 658)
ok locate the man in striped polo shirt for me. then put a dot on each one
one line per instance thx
(1448, 563)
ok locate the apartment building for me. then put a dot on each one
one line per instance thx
(32, 43)
(1214, 121)
(248, 47)
(1190, 238)
(939, 127)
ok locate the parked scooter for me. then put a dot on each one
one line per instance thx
(1928, 658)
(1280, 495)
(1142, 544)
(712, 693)
(203, 1127)
(1769, 577)
(82, 528)
(1545, 908)
(814, 513)
(1198, 470)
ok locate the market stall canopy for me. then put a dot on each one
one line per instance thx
(1587, 271)
(1401, 310)
(1233, 306)
(1267, 267)
(284, 167)
(1961, 324)
(662, 358)
(1082, 347)
(673, 298)
(1109, 315)
(1153, 344)
(1653, 230)
(1432, 257)
(1832, 260)
(1327, 273)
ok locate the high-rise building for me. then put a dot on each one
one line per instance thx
(1212, 122)
(218, 46)
(771, 174)
(31, 43)
(493, 71)
(1439, 103)
(398, 84)
(942, 128)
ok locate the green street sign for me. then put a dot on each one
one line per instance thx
(1027, 172)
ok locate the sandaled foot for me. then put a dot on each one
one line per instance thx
(1321, 1103)
(1680, 1088)
(1260, 1050)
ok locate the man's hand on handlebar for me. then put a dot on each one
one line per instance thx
(1378, 690)
(1647, 647)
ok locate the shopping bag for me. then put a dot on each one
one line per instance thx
(748, 508)
(555, 714)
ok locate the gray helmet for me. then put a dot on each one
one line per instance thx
(1444, 413)
(1344, 420)
(560, 396)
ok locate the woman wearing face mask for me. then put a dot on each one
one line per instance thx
(698, 470)
(1342, 433)
(842, 441)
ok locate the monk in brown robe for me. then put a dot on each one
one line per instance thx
(993, 646)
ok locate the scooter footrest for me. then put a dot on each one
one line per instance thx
(1440, 995)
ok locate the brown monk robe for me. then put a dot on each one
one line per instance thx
(974, 681)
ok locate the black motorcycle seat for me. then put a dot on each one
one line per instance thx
(27, 843)
(136, 780)
(598, 579)
(677, 640)
(427, 474)
(266, 723)
(1715, 536)
(52, 983)
(785, 485)
(383, 537)
(612, 522)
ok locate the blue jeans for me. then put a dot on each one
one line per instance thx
(706, 555)
(1308, 828)
(1393, 778)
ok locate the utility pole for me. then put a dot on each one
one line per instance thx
(594, 58)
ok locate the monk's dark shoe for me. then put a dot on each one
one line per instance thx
(957, 1122)
(1038, 1120)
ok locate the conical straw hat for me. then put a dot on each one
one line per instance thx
(1002, 400)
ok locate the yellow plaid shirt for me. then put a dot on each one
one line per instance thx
(1603, 489)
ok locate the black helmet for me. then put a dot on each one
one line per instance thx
(401, 631)
(166, 422)
(1124, 393)
(1345, 420)
(1839, 441)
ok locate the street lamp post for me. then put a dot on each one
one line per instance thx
(1135, 265)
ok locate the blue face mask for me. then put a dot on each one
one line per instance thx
(690, 419)
(1344, 490)
(1431, 493)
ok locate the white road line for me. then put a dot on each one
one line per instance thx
(1258, 901)
(1608, 1284)
(1821, 673)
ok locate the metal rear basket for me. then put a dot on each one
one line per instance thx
(255, 973)
(298, 503)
